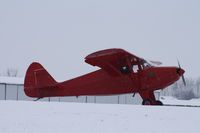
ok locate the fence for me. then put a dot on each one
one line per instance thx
(16, 92)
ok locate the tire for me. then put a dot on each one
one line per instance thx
(159, 103)
(147, 102)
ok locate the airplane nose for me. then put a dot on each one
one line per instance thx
(180, 71)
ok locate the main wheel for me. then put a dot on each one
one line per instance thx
(159, 103)
(147, 102)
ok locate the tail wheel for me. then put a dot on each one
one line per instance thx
(159, 102)
(147, 102)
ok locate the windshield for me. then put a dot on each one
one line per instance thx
(136, 66)
(144, 64)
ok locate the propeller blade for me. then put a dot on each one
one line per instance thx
(183, 78)
(179, 64)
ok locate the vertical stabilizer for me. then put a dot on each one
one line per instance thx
(37, 78)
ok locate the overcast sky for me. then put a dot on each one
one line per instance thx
(60, 33)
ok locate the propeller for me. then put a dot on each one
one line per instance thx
(182, 76)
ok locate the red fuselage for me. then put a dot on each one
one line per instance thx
(120, 73)
(101, 83)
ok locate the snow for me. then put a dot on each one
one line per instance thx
(174, 101)
(12, 80)
(58, 117)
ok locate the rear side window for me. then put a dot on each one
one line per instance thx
(125, 70)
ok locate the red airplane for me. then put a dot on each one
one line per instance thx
(121, 73)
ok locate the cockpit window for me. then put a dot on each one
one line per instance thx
(135, 68)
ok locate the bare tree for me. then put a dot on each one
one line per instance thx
(11, 72)
(180, 91)
(198, 87)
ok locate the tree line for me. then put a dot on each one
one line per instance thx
(10, 72)
(178, 90)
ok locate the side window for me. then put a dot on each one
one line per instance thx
(125, 70)
(135, 68)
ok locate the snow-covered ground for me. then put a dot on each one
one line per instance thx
(58, 117)
(174, 101)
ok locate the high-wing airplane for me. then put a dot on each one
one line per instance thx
(120, 73)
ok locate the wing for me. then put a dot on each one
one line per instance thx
(111, 60)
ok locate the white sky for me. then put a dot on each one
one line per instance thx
(60, 33)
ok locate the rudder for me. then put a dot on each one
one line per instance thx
(36, 78)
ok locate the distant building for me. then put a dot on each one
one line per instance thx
(12, 88)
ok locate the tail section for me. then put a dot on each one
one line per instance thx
(36, 79)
